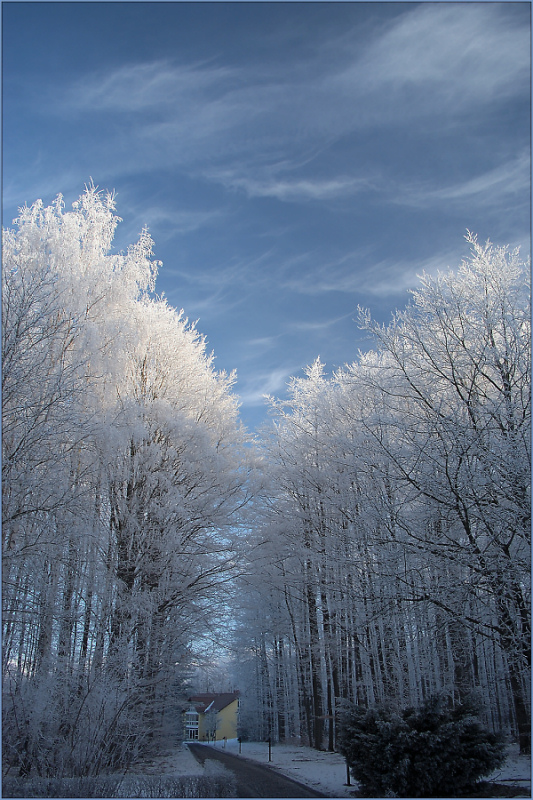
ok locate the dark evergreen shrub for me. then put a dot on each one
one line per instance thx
(431, 751)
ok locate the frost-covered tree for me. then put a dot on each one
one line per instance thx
(173, 487)
(123, 480)
(323, 637)
(454, 419)
(396, 511)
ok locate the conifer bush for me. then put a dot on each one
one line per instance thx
(430, 751)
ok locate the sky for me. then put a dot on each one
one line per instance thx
(292, 161)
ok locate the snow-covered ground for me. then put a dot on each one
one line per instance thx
(326, 772)
(175, 761)
(517, 769)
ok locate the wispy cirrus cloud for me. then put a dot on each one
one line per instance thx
(218, 288)
(263, 342)
(357, 274)
(170, 221)
(509, 178)
(296, 189)
(456, 57)
(436, 61)
(145, 87)
(318, 326)
(257, 387)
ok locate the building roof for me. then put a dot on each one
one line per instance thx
(209, 701)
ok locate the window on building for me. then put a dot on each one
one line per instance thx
(191, 724)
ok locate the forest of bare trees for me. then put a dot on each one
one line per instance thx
(122, 478)
(395, 517)
(371, 544)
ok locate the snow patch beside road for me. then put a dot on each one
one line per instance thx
(326, 772)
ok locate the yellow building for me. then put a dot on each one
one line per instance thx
(212, 717)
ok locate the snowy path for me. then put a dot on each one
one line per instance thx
(253, 779)
(322, 771)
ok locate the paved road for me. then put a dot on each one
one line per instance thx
(254, 780)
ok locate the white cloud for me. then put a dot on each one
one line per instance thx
(381, 279)
(440, 58)
(318, 326)
(215, 290)
(145, 87)
(310, 189)
(261, 129)
(434, 60)
(258, 387)
(263, 342)
(512, 177)
(177, 221)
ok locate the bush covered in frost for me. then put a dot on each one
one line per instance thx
(221, 784)
(430, 751)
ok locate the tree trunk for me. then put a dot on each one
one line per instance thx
(314, 655)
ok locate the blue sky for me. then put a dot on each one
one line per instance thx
(291, 160)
